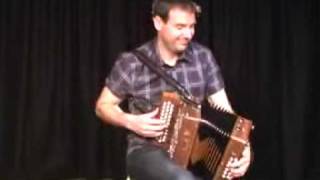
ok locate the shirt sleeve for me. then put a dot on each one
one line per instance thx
(119, 81)
(214, 79)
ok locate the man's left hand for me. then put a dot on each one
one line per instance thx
(238, 167)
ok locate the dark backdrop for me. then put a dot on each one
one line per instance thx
(55, 54)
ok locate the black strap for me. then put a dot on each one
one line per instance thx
(151, 65)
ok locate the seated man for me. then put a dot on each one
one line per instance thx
(190, 63)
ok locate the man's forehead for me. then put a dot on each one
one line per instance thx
(178, 13)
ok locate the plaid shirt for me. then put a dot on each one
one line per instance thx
(196, 70)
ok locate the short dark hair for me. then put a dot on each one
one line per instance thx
(162, 7)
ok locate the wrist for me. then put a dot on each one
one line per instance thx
(127, 121)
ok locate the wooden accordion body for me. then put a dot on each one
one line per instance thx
(206, 151)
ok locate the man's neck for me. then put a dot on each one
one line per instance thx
(168, 57)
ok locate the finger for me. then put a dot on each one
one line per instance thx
(232, 163)
(237, 163)
(153, 121)
(240, 171)
(239, 167)
(147, 126)
(245, 159)
(159, 127)
(151, 134)
(246, 151)
(151, 114)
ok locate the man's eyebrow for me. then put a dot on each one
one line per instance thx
(185, 24)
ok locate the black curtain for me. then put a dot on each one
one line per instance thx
(54, 56)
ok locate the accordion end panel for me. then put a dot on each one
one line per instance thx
(238, 139)
(213, 155)
(178, 138)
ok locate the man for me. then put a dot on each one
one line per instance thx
(190, 63)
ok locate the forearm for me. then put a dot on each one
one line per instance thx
(112, 114)
(108, 110)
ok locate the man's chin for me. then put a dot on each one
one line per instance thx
(181, 49)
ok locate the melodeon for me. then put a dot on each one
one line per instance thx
(203, 146)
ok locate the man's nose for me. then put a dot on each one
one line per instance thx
(188, 33)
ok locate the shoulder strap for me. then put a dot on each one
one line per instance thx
(151, 65)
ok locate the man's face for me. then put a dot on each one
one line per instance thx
(177, 32)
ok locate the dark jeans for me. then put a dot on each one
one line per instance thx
(153, 163)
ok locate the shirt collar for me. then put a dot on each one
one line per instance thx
(186, 56)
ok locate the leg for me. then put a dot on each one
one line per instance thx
(152, 163)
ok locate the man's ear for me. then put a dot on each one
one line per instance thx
(158, 23)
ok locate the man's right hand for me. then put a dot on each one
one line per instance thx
(146, 125)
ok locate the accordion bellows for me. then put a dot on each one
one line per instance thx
(200, 139)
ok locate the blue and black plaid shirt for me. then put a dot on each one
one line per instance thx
(196, 70)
